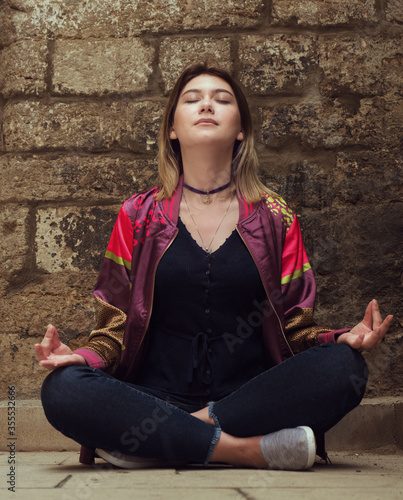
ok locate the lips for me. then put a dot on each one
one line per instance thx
(207, 120)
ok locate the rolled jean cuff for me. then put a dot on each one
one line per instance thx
(214, 441)
(212, 415)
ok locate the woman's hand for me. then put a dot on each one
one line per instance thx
(51, 353)
(370, 332)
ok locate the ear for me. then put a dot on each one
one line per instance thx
(240, 136)
(172, 134)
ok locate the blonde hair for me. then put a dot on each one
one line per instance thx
(244, 171)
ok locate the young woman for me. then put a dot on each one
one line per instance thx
(205, 348)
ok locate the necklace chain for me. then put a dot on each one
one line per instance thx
(206, 248)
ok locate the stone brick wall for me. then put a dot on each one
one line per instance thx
(83, 86)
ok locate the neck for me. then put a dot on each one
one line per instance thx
(206, 171)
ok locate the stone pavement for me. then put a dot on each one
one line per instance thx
(366, 449)
(58, 475)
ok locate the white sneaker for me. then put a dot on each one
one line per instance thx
(132, 462)
(289, 449)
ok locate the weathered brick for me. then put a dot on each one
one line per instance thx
(367, 177)
(276, 62)
(355, 63)
(73, 238)
(3, 286)
(369, 122)
(15, 22)
(90, 126)
(23, 68)
(107, 18)
(323, 13)
(177, 53)
(101, 66)
(61, 177)
(342, 179)
(351, 247)
(394, 11)
(14, 237)
(19, 367)
(57, 18)
(64, 300)
(355, 258)
(206, 14)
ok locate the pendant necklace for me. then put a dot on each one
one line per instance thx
(207, 200)
(207, 248)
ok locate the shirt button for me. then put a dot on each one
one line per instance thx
(207, 311)
(208, 372)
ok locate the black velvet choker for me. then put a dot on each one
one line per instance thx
(207, 199)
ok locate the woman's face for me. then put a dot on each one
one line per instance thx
(207, 113)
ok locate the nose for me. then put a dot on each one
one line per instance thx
(206, 106)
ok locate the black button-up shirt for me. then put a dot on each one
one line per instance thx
(205, 337)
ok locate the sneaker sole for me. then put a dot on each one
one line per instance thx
(132, 462)
(310, 437)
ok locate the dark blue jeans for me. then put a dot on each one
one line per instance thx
(315, 388)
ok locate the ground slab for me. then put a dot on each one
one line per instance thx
(58, 475)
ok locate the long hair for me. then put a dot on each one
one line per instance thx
(244, 167)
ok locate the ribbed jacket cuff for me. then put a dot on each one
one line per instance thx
(91, 358)
(331, 337)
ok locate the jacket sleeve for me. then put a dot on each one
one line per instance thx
(299, 292)
(112, 293)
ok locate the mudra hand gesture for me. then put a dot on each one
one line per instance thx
(51, 353)
(370, 332)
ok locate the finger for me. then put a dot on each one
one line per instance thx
(39, 352)
(383, 329)
(378, 334)
(376, 314)
(368, 315)
(51, 340)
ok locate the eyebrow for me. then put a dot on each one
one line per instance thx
(216, 91)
